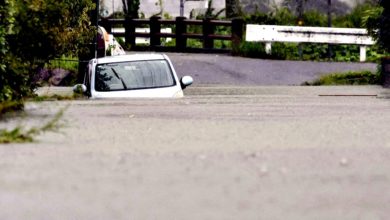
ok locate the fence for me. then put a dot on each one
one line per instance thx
(129, 29)
(272, 33)
(180, 26)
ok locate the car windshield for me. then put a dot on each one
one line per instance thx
(133, 75)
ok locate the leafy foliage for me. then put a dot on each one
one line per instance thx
(318, 52)
(283, 16)
(312, 17)
(15, 135)
(367, 14)
(349, 78)
(10, 84)
(371, 20)
(10, 106)
(377, 22)
(47, 28)
(355, 19)
(32, 32)
(65, 62)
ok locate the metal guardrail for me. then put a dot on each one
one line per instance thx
(297, 34)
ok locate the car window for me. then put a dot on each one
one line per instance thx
(133, 75)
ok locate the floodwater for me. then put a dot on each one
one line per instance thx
(222, 152)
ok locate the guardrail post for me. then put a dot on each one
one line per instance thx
(181, 28)
(208, 29)
(129, 33)
(268, 47)
(237, 32)
(363, 50)
(155, 29)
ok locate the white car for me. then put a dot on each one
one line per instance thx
(133, 76)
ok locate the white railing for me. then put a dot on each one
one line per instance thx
(296, 34)
(143, 40)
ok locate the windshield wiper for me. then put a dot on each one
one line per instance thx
(117, 75)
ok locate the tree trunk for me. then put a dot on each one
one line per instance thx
(131, 7)
(232, 8)
(385, 73)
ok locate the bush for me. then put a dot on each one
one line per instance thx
(315, 19)
(49, 28)
(13, 80)
(280, 51)
(34, 32)
(355, 19)
(345, 53)
(349, 78)
(318, 52)
(377, 22)
(251, 49)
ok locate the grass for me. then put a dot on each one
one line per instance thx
(14, 136)
(56, 97)
(18, 135)
(10, 106)
(306, 51)
(349, 78)
(64, 62)
(14, 106)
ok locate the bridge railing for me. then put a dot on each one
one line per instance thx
(298, 34)
(131, 29)
(153, 30)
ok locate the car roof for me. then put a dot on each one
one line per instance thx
(131, 57)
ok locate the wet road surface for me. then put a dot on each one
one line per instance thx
(222, 152)
(228, 70)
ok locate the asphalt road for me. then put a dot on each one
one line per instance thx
(222, 152)
(228, 70)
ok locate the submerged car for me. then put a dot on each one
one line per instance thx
(136, 75)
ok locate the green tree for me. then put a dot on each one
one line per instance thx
(377, 21)
(34, 31)
(379, 26)
(5, 21)
(355, 18)
(44, 29)
(11, 74)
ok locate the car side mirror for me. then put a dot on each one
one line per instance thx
(79, 88)
(186, 81)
